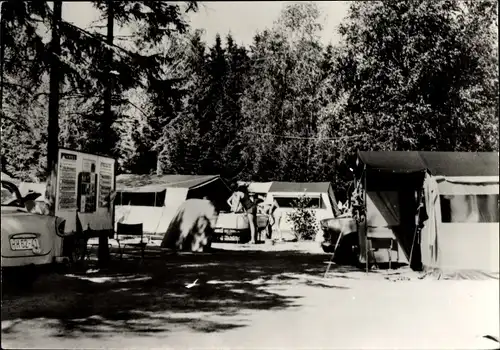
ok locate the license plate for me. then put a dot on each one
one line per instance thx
(24, 243)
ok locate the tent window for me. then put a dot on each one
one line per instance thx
(470, 208)
(289, 202)
(143, 199)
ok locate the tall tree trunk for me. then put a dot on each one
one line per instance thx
(107, 122)
(2, 52)
(108, 118)
(53, 122)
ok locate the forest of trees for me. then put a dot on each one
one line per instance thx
(406, 75)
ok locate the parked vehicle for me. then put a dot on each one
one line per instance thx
(322, 203)
(31, 243)
(237, 225)
(346, 228)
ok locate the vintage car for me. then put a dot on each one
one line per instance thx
(31, 243)
(341, 232)
(236, 225)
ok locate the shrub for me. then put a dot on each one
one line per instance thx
(303, 219)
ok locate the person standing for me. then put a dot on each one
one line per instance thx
(234, 201)
(250, 205)
(271, 210)
(241, 201)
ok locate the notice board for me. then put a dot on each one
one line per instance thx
(85, 183)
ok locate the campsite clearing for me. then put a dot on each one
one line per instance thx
(245, 298)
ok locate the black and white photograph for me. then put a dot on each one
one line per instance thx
(260, 175)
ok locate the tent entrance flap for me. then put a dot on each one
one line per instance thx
(216, 191)
(392, 208)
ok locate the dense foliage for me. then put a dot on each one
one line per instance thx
(407, 75)
(303, 219)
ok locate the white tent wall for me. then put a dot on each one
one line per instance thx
(461, 242)
(155, 220)
(149, 217)
(468, 246)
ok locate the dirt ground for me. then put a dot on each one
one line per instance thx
(249, 298)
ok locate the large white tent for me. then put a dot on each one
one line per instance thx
(459, 210)
(154, 200)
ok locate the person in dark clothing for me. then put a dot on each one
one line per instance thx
(250, 205)
(270, 208)
(241, 200)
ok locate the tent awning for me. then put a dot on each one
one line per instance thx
(143, 189)
(469, 179)
(155, 183)
(456, 164)
(400, 162)
(259, 187)
(300, 187)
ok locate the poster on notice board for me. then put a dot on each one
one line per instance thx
(67, 181)
(105, 182)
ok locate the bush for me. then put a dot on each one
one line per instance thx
(303, 219)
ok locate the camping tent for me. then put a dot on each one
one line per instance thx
(321, 195)
(154, 200)
(458, 197)
(259, 188)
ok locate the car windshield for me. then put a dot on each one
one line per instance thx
(9, 195)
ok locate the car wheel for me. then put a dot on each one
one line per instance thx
(76, 248)
(327, 248)
(27, 278)
(245, 236)
(80, 250)
(63, 268)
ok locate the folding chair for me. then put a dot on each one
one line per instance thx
(129, 230)
(389, 244)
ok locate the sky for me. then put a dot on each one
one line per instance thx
(243, 19)
(240, 18)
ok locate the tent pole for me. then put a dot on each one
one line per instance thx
(333, 255)
(417, 221)
(365, 217)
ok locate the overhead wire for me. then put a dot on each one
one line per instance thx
(302, 137)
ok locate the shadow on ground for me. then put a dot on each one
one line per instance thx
(149, 298)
